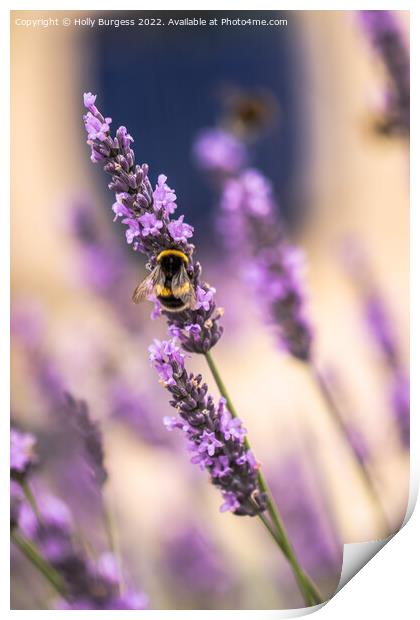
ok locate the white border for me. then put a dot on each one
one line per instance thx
(388, 585)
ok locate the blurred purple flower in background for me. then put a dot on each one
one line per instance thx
(88, 584)
(380, 326)
(136, 410)
(358, 443)
(16, 499)
(76, 414)
(124, 404)
(104, 267)
(22, 452)
(102, 264)
(400, 402)
(382, 330)
(272, 265)
(196, 568)
(230, 464)
(43, 528)
(386, 37)
(219, 151)
(28, 329)
(306, 516)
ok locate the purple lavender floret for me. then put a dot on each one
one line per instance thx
(22, 453)
(215, 440)
(147, 215)
(275, 267)
(386, 37)
(219, 151)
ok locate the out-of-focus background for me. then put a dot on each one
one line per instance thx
(74, 326)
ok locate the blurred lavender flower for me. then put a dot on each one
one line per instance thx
(88, 584)
(387, 39)
(357, 443)
(218, 151)
(274, 266)
(215, 439)
(195, 567)
(103, 264)
(382, 332)
(380, 326)
(53, 536)
(306, 518)
(104, 268)
(134, 409)
(16, 500)
(352, 432)
(27, 327)
(22, 453)
(146, 213)
(77, 416)
(400, 402)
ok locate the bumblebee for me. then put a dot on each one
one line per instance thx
(249, 113)
(169, 281)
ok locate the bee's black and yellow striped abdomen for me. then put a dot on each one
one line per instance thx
(172, 261)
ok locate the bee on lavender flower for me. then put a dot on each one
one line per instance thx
(170, 282)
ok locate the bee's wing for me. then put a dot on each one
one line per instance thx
(183, 288)
(147, 287)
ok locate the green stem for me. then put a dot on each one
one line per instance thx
(306, 586)
(33, 555)
(31, 499)
(337, 416)
(109, 526)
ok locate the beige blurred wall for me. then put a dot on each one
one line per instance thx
(48, 153)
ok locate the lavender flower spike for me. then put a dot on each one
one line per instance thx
(275, 266)
(386, 37)
(150, 228)
(88, 584)
(77, 414)
(215, 438)
(218, 151)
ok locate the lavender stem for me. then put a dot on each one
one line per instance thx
(109, 526)
(32, 554)
(307, 588)
(336, 415)
(31, 499)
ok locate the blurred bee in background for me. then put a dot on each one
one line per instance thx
(169, 282)
(248, 114)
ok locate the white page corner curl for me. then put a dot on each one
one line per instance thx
(356, 556)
